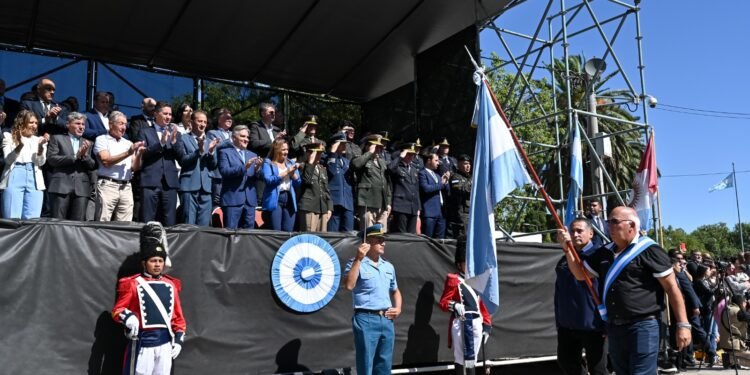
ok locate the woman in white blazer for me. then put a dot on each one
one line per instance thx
(22, 180)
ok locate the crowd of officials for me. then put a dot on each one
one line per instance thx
(180, 165)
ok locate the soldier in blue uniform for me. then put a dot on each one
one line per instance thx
(376, 300)
(340, 181)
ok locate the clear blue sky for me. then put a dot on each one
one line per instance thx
(695, 56)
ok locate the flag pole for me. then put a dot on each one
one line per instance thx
(568, 247)
(737, 199)
(658, 199)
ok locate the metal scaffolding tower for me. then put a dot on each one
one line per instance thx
(545, 56)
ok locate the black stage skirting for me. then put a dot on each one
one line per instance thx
(58, 285)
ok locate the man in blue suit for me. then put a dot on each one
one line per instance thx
(159, 183)
(97, 121)
(598, 223)
(52, 116)
(433, 189)
(198, 165)
(239, 167)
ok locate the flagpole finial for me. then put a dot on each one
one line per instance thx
(478, 76)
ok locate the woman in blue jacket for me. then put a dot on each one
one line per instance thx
(281, 177)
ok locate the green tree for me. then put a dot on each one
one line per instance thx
(715, 238)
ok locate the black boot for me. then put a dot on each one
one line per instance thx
(459, 370)
(725, 359)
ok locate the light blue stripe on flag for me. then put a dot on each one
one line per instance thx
(576, 175)
(726, 183)
(498, 170)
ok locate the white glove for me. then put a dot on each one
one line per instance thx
(131, 324)
(459, 309)
(176, 349)
(485, 337)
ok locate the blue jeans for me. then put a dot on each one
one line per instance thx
(21, 199)
(373, 341)
(634, 347)
(342, 220)
(282, 217)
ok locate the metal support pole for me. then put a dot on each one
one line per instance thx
(92, 74)
(197, 93)
(593, 130)
(737, 199)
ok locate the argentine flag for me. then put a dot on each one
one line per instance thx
(498, 170)
(576, 175)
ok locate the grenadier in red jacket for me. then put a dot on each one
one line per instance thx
(148, 305)
(470, 322)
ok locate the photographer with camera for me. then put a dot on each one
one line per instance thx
(733, 331)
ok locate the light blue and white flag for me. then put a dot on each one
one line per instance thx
(498, 170)
(726, 183)
(576, 175)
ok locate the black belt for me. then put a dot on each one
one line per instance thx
(121, 182)
(373, 312)
(622, 322)
(17, 163)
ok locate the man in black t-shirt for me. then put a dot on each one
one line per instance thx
(633, 298)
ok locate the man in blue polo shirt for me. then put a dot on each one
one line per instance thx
(578, 324)
(376, 300)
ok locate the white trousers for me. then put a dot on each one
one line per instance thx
(156, 360)
(459, 344)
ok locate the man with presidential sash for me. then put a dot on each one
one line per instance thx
(634, 274)
(148, 305)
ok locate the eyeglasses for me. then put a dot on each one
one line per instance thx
(617, 222)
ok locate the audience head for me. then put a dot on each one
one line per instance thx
(595, 207)
(267, 112)
(279, 150)
(148, 106)
(431, 161)
(464, 164)
(581, 233)
(310, 122)
(117, 124)
(198, 122)
(25, 125)
(224, 119)
(241, 136)
(46, 90)
(102, 102)
(624, 225)
(184, 114)
(76, 123)
(163, 113)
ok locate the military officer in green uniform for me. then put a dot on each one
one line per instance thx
(460, 197)
(373, 184)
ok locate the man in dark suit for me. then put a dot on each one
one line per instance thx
(9, 108)
(447, 163)
(159, 183)
(598, 223)
(138, 122)
(433, 190)
(97, 121)
(144, 120)
(405, 179)
(264, 132)
(239, 169)
(198, 164)
(50, 114)
(70, 165)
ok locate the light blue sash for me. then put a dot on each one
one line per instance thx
(619, 264)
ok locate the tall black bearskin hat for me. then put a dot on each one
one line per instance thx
(152, 249)
(153, 234)
(460, 249)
